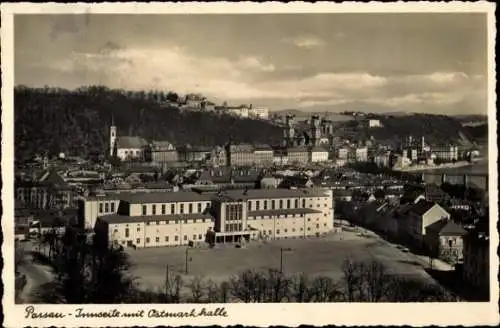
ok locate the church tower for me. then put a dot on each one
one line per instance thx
(112, 137)
(289, 132)
(315, 130)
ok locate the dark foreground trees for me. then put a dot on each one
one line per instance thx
(87, 271)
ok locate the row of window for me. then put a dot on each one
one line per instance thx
(167, 239)
(127, 230)
(107, 207)
(270, 232)
(233, 227)
(273, 204)
(163, 209)
(256, 205)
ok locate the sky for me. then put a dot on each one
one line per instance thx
(434, 63)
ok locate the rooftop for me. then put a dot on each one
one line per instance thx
(116, 218)
(270, 193)
(164, 197)
(131, 142)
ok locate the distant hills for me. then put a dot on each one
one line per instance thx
(77, 122)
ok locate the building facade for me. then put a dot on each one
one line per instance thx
(264, 214)
(158, 219)
(182, 218)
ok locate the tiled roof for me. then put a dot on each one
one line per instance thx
(447, 227)
(272, 193)
(116, 218)
(131, 142)
(54, 179)
(451, 228)
(422, 207)
(164, 197)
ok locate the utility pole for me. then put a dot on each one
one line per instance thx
(187, 259)
(281, 257)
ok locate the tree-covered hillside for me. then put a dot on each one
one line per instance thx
(435, 128)
(77, 122)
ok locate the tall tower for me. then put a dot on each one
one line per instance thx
(289, 132)
(112, 137)
(315, 130)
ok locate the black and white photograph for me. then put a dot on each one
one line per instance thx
(203, 159)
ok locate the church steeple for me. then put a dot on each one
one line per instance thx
(112, 136)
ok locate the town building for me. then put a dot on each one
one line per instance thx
(160, 152)
(298, 155)
(182, 218)
(263, 214)
(444, 240)
(258, 112)
(263, 155)
(157, 219)
(361, 154)
(240, 155)
(445, 153)
(318, 154)
(188, 153)
(218, 157)
(419, 217)
(373, 123)
(49, 190)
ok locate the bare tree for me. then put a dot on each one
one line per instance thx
(197, 289)
(375, 280)
(248, 286)
(18, 255)
(324, 289)
(224, 292)
(277, 286)
(300, 288)
(352, 277)
(212, 291)
(178, 283)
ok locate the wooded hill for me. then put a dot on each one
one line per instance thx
(77, 122)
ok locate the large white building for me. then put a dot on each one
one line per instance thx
(158, 219)
(259, 112)
(174, 219)
(263, 214)
(318, 154)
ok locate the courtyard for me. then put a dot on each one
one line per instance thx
(314, 256)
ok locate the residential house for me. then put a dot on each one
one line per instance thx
(270, 181)
(298, 181)
(420, 216)
(444, 239)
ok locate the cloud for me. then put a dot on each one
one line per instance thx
(255, 64)
(250, 78)
(305, 41)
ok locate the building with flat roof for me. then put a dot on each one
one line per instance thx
(264, 214)
(182, 218)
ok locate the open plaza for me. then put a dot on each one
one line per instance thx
(313, 256)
